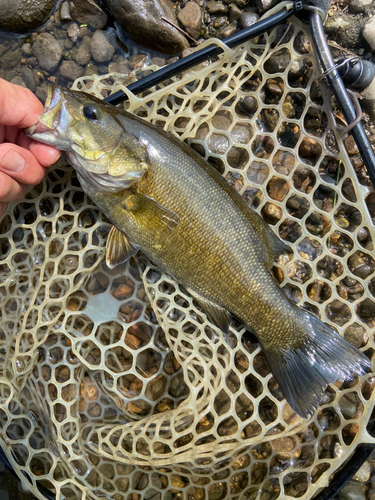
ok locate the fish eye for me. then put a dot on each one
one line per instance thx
(91, 112)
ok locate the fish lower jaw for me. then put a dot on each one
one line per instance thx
(47, 136)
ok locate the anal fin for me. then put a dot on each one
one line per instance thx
(217, 314)
(119, 249)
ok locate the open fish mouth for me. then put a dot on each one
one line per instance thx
(47, 130)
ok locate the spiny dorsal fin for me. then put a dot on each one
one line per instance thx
(149, 212)
(217, 314)
(119, 248)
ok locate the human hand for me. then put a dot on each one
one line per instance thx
(22, 160)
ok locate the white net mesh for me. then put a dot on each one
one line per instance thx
(114, 383)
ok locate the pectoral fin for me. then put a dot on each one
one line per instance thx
(119, 248)
(149, 212)
(217, 314)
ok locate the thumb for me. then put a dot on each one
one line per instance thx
(20, 164)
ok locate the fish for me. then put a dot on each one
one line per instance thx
(164, 199)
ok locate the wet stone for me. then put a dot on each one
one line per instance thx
(48, 52)
(73, 32)
(352, 491)
(310, 148)
(248, 18)
(101, 49)
(216, 8)
(278, 62)
(234, 12)
(70, 70)
(368, 32)
(297, 70)
(360, 6)
(277, 188)
(250, 104)
(83, 54)
(338, 312)
(346, 30)
(241, 133)
(65, 11)
(351, 146)
(21, 16)
(218, 143)
(357, 335)
(363, 473)
(142, 22)
(272, 213)
(17, 80)
(27, 49)
(227, 30)
(88, 12)
(191, 19)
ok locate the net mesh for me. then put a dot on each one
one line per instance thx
(114, 383)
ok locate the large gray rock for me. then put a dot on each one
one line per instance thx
(88, 12)
(48, 51)
(142, 21)
(24, 15)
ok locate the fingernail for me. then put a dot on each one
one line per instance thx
(13, 161)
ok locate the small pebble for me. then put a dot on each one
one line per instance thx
(363, 473)
(73, 32)
(216, 8)
(65, 12)
(248, 18)
(351, 146)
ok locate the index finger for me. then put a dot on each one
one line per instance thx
(18, 106)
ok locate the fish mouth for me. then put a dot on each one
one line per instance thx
(47, 128)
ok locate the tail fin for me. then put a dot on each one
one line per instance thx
(324, 357)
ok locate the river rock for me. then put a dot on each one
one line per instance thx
(71, 70)
(248, 18)
(24, 15)
(83, 54)
(368, 32)
(352, 491)
(73, 32)
(346, 30)
(88, 12)
(359, 6)
(101, 50)
(47, 50)
(191, 19)
(65, 12)
(28, 78)
(142, 21)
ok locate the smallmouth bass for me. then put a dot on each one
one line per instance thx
(165, 199)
